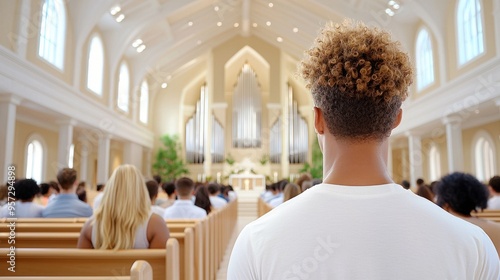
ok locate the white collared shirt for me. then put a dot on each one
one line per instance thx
(217, 202)
(184, 209)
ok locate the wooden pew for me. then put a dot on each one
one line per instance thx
(90, 262)
(493, 215)
(140, 270)
(263, 207)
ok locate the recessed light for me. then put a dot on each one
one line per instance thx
(236, 24)
(254, 24)
(279, 39)
(268, 23)
(219, 23)
(295, 30)
(395, 6)
(164, 85)
(390, 3)
(216, 8)
(271, 4)
(190, 23)
(114, 10)
(137, 43)
(120, 18)
(141, 48)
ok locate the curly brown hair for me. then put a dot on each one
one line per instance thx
(358, 78)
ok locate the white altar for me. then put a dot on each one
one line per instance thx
(247, 182)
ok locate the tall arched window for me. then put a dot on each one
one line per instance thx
(425, 60)
(95, 68)
(53, 32)
(484, 157)
(434, 164)
(247, 110)
(34, 160)
(71, 155)
(144, 103)
(123, 88)
(470, 30)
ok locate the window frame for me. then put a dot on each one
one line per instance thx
(59, 51)
(483, 135)
(123, 66)
(419, 57)
(459, 26)
(146, 102)
(39, 139)
(97, 37)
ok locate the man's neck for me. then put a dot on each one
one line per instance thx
(71, 190)
(355, 163)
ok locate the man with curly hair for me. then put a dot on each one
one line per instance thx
(359, 224)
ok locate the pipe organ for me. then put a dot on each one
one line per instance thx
(247, 110)
(298, 137)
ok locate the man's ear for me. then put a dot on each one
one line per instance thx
(319, 121)
(398, 119)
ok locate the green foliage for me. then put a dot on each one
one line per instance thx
(230, 160)
(264, 159)
(316, 167)
(168, 163)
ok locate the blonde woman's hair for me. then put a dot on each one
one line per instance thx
(124, 207)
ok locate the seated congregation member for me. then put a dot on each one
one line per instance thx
(278, 199)
(24, 207)
(425, 192)
(462, 194)
(291, 190)
(202, 198)
(216, 201)
(494, 186)
(152, 187)
(169, 189)
(306, 185)
(4, 190)
(66, 204)
(359, 223)
(231, 193)
(184, 207)
(98, 197)
(124, 219)
(405, 184)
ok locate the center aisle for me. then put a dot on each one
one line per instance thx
(243, 219)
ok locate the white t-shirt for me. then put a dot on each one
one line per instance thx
(184, 209)
(277, 201)
(217, 202)
(494, 202)
(370, 232)
(22, 210)
(97, 200)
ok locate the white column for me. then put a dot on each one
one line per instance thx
(132, 154)
(454, 143)
(84, 159)
(103, 151)
(8, 106)
(65, 141)
(25, 29)
(404, 167)
(415, 155)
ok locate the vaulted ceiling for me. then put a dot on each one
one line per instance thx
(175, 32)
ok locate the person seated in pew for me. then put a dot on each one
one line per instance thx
(98, 197)
(278, 198)
(231, 193)
(214, 191)
(184, 207)
(66, 204)
(152, 187)
(3, 194)
(358, 223)
(124, 219)
(24, 192)
(169, 189)
(291, 190)
(202, 198)
(462, 194)
(494, 186)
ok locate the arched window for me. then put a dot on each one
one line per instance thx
(484, 157)
(434, 164)
(144, 103)
(95, 68)
(53, 32)
(123, 88)
(34, 160)
(470, 30)
(247, 110)
(425, 60)
(298, 135)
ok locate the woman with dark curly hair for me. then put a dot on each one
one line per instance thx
(462, 194)
(359, 224)
(24, 192)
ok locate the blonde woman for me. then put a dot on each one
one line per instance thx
(124, 219)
